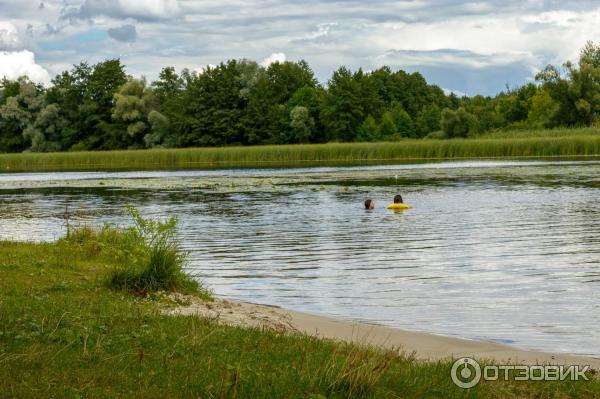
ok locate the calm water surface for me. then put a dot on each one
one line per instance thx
(506, 252)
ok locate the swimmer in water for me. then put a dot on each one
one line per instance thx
(369, 204)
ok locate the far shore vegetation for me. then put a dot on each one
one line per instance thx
(84, 317)
(241, 103)
(583, 143)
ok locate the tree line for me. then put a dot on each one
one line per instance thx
(239, 102)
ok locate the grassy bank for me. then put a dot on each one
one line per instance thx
(66, 330)
(543, 143)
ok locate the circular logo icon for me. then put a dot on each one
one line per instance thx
(466, 372)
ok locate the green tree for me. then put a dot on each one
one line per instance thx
(454, 101)
(84, 97)
(543, 109)
(169, 89)
(136, 108)
(403, 123)
(9, 88)
(459, 123)
(160, 134)
(368, 130)
(68, 92)
(20, 114)
(267, 118)
(428, 120)
(577, 92)
(301, 123)
(343, 107)
(491, 113)
(286, 78)
(212, 106)
(409, 90)
(168, 85)
(105, 79)
(387, 126)
(44, 133)
(310, 98)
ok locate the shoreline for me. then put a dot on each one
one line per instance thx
(560, 143)
(425, 346)
(111, 166)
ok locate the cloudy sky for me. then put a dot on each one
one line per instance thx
(468, 47)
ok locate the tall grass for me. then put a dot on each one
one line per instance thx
(542, 143)
(147, 257)
(557, 132)
(355, 371)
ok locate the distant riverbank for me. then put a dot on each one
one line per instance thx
(561, 143)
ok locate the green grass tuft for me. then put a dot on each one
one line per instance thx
(147, 256)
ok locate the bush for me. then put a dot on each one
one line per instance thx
(148, 254)
(162, 259)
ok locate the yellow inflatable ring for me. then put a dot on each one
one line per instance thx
(398, 206)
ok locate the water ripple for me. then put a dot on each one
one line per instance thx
(508, 252)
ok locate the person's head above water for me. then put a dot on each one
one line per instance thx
(398, 199)
(369, 204)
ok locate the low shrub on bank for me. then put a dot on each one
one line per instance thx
(147, 256)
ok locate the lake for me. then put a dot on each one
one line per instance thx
(499, 251)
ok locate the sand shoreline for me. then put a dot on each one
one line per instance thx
(425, 346)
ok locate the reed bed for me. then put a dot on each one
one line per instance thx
(545, 143)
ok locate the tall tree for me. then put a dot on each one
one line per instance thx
(136, 107)
(343, 112)
(403, 123)
(428, 120)
(213, 106)
(267, 117)
(542, 111)
(19, 114)
(368, 130)
(577, 92)
(310, 98)
(84, 96)
(459, 123)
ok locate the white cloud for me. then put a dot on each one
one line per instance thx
(322, 31)
(14, 64)
(456, 92)
(273, 58)
(451, 57)
(561, 18)
(9, 37)
(159, 9)
(201, 69)
(140, 10)
(473, 47)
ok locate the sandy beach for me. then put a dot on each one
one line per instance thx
(424, 346)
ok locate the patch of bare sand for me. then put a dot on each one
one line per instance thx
(424, 346)
(234, 313)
